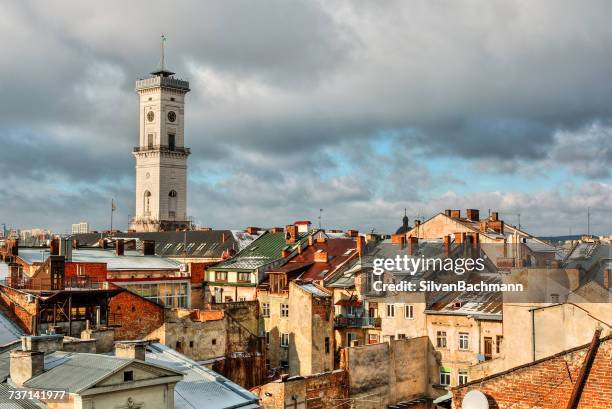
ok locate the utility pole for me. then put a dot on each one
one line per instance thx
(111, 215)
(320, 216)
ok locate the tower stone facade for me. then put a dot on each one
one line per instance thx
(161, 155)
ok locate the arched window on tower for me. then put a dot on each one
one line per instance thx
(172, 203)
(147, 203)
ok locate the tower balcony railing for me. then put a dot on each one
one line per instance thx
(163, 148)
(159, 81)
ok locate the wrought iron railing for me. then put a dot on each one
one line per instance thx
(163, 148)
(357, 322)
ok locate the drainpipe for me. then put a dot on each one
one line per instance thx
(533, 334)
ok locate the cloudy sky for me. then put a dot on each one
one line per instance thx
(361, 108)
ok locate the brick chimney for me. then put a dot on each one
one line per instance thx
(131, 349)
(352, 233)
(455, 214)
(148, 247)
(320, 256)
(359, 245)
(413, 245)
(54, 249)
(417, 222)
(447, 242)
(291, 234)
(473, 214)
(494, 216)
(25, 365)
(459, 237)
(119, 247)
(252, 230)
(447, 212)
(29, 362)
(13, 247)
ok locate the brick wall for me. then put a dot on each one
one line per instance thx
(16, 303)
(96, 271)
(322, 391)
(136, 316)
(548, 383)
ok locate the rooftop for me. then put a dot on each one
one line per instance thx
(200, 387)
(132, 260)
(266, 249)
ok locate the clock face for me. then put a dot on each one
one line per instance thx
(171, 116)
(150, 116)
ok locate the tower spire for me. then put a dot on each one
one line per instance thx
(162, 71)
(163, 49)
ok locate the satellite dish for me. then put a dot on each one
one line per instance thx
(475, 400)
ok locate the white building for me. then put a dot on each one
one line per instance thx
(161, 156)
(80, 228)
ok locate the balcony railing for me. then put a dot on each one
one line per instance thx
(162, 148)
(71, 283)
(357, 322)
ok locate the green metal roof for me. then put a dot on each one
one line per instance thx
(266, 249)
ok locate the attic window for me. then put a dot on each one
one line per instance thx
(128, 376)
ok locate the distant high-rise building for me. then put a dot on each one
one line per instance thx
(161, 156)
(79, 228)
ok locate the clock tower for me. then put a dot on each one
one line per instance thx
(161, 155)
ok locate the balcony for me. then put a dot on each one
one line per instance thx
(357, 322)
(162, 148)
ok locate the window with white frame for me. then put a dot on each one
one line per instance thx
(441, 339)
(445, 376)
(284, 341)
(390, 310)
(463, 376)
(409, 312)
(265, 309)
(464, 343)
(284, 310)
